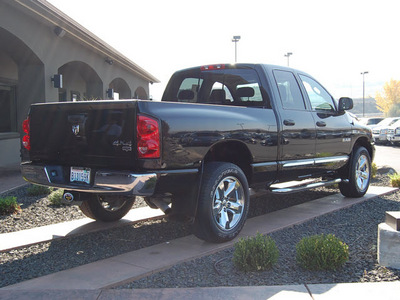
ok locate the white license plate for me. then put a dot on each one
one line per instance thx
(80, 175)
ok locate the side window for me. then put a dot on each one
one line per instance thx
(319, 97)
(289, 90)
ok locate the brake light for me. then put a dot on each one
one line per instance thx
(148, 137)
(212, 67)
(26, 140)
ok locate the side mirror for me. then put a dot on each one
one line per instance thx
(345, 103)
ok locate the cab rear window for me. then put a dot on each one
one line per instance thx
(222, 86)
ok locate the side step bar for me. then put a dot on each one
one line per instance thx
(303, 187)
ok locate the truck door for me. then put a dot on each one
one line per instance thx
(298, 133)
(333, 139)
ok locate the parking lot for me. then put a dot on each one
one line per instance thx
(388, 156)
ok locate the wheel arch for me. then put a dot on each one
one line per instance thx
(235, 152)
(365, 142)
(360, 142)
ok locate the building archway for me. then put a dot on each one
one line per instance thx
(21, 80)
(80, 82)
(120, 86)
(140, 93)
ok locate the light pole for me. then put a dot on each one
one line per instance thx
(363, 74)
(236, 39)
(288, 55)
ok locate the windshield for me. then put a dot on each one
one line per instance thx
(388, 121)
(396, 123)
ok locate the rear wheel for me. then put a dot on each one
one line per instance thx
(359, 174)
(106, 208)
(223, 203)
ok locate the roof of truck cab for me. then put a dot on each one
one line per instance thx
(241, 66)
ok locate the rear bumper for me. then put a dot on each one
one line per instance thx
(103, 181)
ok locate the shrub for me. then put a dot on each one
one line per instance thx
(395, 180)
(374, 170)
(37, 190)
(321, 252)
(255, 253)
(9, 205)
(56, 197)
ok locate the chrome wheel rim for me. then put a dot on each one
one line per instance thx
(362, 172)
(228, 203)
(111, 204)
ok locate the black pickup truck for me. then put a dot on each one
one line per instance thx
(218, 131)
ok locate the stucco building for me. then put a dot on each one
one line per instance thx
(45, 56)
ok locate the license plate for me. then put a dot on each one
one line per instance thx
(80, 175)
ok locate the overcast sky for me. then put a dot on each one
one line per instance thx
(334, 41)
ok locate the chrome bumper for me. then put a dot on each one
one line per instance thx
(104, 181)
(394, 138)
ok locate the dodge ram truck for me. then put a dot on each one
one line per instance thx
(218, 131)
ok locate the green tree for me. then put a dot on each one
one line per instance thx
(389, 100)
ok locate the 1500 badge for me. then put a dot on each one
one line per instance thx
(125, 146)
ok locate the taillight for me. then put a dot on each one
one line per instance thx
(148, 137)
(26, 140)
(212, 67)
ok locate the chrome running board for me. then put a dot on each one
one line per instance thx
(303, 187)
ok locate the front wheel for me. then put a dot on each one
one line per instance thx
(359, 174)
(106, 208)
(223, 202)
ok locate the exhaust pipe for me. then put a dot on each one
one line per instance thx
(68, 198)
(74, 198)
(161, 205)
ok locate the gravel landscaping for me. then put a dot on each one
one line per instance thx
(356, 226)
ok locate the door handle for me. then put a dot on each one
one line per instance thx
(321, 124)
(289, 122)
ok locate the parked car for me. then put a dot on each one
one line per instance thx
(371, 121)
(379, 132)
(393, 133)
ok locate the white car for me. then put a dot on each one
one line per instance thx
(379, 132)
(393, 133)
(371, 121)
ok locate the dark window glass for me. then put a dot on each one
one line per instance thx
(223, 87)
(319, 97)
(289, 90)
(8, 111)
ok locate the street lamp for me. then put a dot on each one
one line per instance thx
(363, 74)
(236, 39)
(288, 55)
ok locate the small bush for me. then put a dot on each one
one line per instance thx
(56, 197)
(321, 252)
(255, 253)
(37, 190)
(395, 180)
(9, 205)
(374, 170)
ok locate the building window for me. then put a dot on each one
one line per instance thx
(8, 111)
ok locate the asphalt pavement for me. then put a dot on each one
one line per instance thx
(388, 156)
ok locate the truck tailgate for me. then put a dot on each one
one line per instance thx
(93, 133)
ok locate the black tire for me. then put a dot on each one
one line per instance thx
(106, 208)
(223, 203)
(359, 174)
